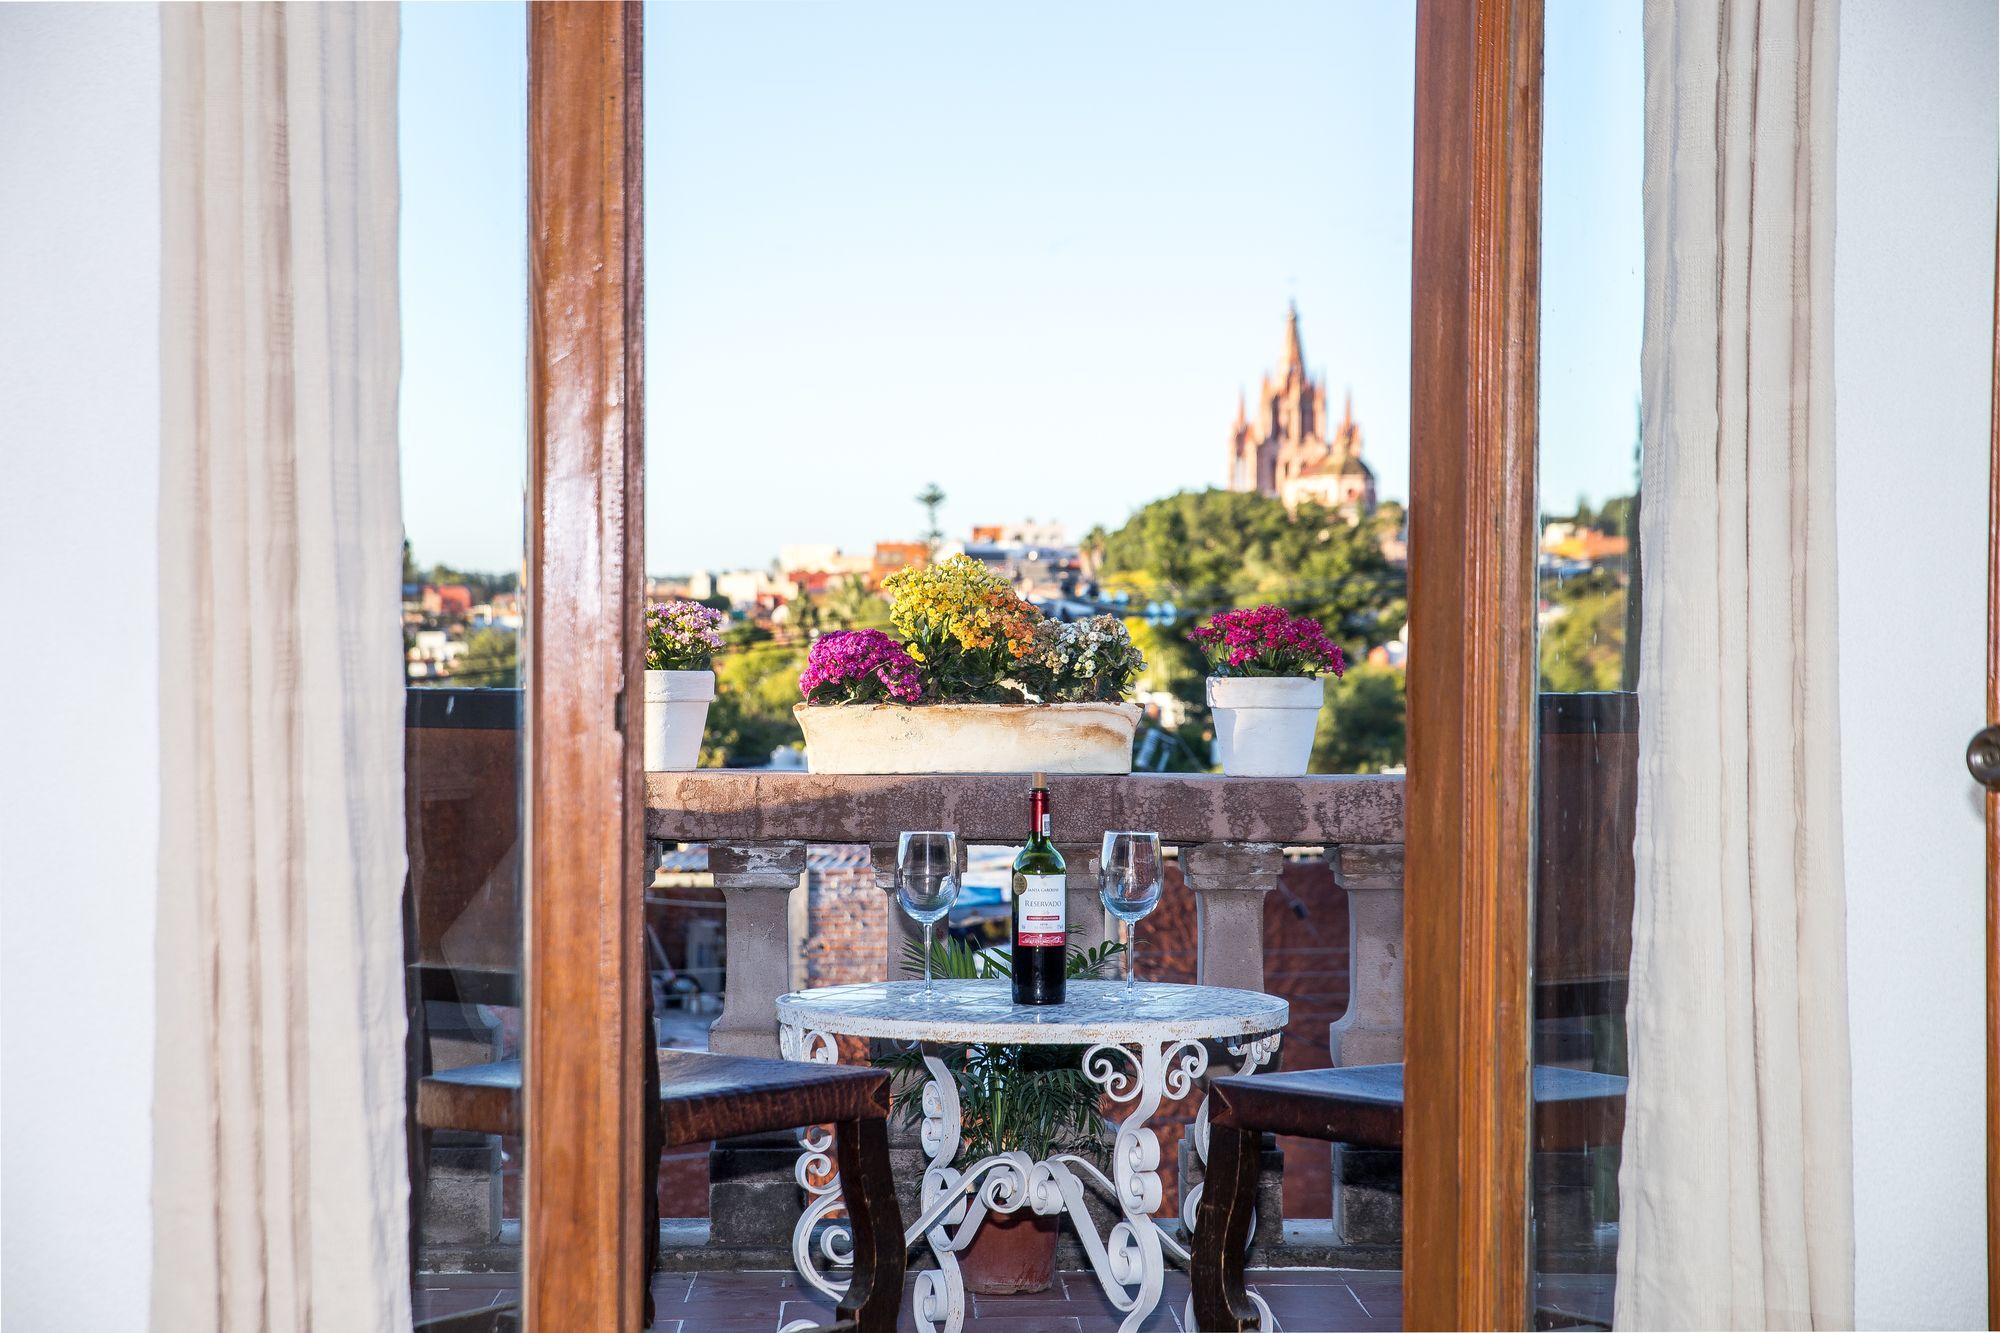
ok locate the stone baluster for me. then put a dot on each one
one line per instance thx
(1367, 1183)
(1371, 1031)
(1229, 881)
(1089, 923)
(758, 882)
(753, 1199)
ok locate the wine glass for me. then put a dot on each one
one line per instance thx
(1128, 876)
(927, 883)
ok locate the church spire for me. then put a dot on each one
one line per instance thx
(1295, 356)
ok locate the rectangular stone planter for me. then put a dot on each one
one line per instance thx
(968, 738)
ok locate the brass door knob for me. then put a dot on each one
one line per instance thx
(1983, 758)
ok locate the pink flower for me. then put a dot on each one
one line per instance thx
(1267, 641)
(857, 667)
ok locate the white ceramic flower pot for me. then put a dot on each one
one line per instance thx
(676, 712)
(1264, 724)
(968, 738)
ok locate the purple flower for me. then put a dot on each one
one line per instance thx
(859, 666)
(682, 636)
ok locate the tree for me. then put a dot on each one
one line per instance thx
(1361, 727)
(755, 688)
(491, 658)
(484, 586)
(803, 613)
(930, 497)
(1208, 551)
(850, 605)
(1583, 646)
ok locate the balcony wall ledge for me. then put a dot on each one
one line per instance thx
(772, 805)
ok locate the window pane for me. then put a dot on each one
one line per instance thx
(1592, 277)
(464, 433)
(1112, 301)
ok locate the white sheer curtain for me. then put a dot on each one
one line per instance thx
(1736, 1187)
(280, 1187)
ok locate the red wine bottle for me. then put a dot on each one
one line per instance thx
(1041, 898)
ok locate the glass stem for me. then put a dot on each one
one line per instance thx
(1131, 949)
(927, 958)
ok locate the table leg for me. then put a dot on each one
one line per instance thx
(940, 1293)
(1131, 1260)
(1255, 1051)
(818, 1173)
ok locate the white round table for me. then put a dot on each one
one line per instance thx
(1140, 1051)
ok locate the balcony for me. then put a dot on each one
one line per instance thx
(770, 881)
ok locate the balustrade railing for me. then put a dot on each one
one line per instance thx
(1232, 835)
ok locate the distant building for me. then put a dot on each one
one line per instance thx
(503, 612)
(814, 568)
(1289, 450)
(1395, 653)
(1565, 545)
(451, 599)
(669, 589)
(432, 653)
(1027, 533)
(892, 556)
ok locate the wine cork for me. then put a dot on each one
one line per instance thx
(1041, 780)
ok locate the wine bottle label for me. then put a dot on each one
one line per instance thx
(1041, 903)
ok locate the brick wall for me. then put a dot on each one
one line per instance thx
(847, 918)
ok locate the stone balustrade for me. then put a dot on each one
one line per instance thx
(1232, 834)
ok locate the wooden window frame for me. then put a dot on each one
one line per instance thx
(1468, 797)
(586, 1178)
(1991, 803)
(1473, 388)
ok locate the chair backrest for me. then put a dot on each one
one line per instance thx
(462, 807)
(1586, 815)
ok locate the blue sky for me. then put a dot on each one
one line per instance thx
(1028, 251)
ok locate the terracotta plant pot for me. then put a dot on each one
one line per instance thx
(1011, 1252)
(1264, 725)
(968, 738)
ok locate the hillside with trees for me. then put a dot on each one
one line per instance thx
(1211, 550)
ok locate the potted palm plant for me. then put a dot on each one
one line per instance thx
(1264, 688)
(978, 682)
(681, 642)
(1031, 1099)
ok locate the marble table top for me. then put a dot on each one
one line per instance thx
(984, 1011)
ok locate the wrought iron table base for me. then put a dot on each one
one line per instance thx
(1129, 1260)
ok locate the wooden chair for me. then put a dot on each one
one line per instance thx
(1360, 1105)
(702, 1097)
(462, 941)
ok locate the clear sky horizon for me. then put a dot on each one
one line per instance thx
(1031, 253)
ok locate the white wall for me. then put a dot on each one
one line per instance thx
(79, 711)
(1913, 280)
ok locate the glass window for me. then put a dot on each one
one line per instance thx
(464, 448)
(1592, 275)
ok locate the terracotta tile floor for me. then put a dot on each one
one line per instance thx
(1304, 1300)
